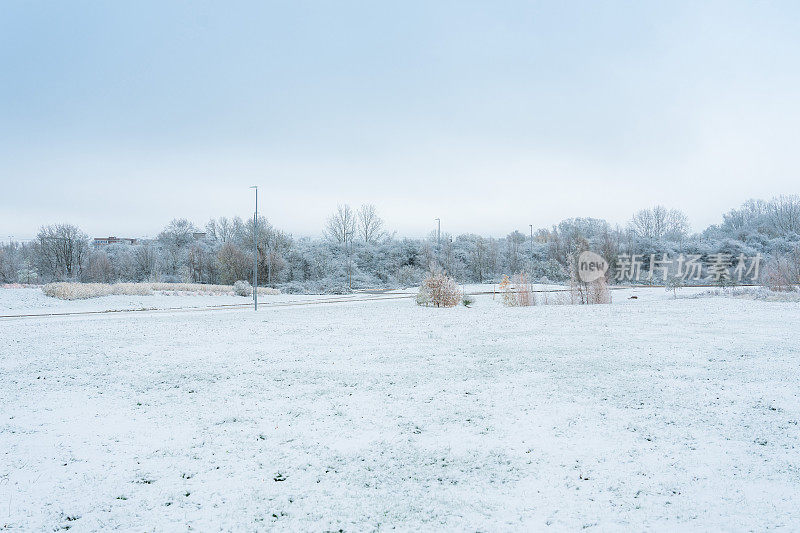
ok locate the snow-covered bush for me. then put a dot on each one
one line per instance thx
(438, 290)
(751, 293)
(294, 287)
(242, 288)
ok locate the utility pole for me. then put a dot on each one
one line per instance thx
(255, 252)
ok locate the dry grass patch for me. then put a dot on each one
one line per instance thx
(82, 291)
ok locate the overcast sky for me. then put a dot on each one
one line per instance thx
(120, 116)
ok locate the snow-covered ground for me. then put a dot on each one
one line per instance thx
(647, 414)
(33, 301)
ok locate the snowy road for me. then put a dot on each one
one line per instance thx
(646, 414)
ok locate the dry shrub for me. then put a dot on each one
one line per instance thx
(132, 289)
(517, 292)
(598, 292)
(509, 299)
(525, 294)
(438, 290)
(268, 291)
(76, 291)
(782, 274)
(16, 285)
(559, 297)
(589, 293)
(205, 288)
(82, 291)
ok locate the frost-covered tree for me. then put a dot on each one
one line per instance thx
(341, 225)
(370, 225)
(234, 263)
(16, 264)
(62, 251)
(178, 233)
(784, 214)
(143, 262)
(173, 250)
(659, 222)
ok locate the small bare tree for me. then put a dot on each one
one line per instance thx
(341, 225)
(370, 225)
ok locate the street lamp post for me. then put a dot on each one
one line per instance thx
(255, 252)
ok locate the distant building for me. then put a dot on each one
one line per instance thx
(199, 235)
(105, 241)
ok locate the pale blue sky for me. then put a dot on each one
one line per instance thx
(490, 115)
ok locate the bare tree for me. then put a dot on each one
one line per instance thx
(659, 222)
(478, 259)
(99, 267)
(178, 233)
(341, 225)
(63, 248)
(13, 266)
(784, 214)
(174, 240)
(144, 262)
(370, 225)
(751, 215)
(272, 248)
(222, 230)
(514, 242)
(273, 244)
(234, 263)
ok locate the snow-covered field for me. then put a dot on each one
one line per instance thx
(647, 414)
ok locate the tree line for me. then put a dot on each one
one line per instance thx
(356, 250)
